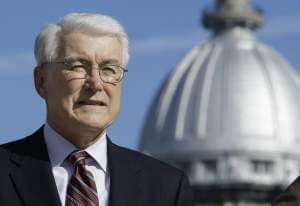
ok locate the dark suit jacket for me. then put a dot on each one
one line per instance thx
(289, 197)
(136, 180)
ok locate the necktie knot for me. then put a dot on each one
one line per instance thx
(78, 158)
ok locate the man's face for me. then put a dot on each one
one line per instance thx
(78, 105)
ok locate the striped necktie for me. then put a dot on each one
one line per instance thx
(81, 189)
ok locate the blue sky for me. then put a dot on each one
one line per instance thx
(160, 32)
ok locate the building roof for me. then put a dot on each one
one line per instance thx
(230, 95)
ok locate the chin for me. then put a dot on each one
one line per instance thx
(97, 121)
(94, 125)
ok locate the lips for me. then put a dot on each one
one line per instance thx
(92, 102)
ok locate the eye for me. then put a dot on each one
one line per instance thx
(78, 68)
(109, 70)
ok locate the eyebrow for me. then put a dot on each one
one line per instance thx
(76, 58)
(109, 61)
(103, 62)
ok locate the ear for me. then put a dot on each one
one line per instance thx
(39, 81)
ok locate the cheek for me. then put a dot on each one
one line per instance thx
(62, 93)
(71, 93)
(73, 87)
(116, 98)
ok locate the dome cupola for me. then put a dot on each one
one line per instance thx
(228, 113)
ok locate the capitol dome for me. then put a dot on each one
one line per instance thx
(229, 112)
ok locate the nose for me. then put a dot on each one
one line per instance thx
(94, 82)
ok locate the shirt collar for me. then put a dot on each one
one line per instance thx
(59, 148)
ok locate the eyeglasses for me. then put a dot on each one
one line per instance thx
(81, 68)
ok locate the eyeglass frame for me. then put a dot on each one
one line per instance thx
(88, 66)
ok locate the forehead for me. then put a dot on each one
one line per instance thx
(91, 46)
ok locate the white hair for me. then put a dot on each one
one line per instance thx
(48, 42)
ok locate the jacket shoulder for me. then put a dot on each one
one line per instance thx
(31, 146)
(161, 180)
(148, 163)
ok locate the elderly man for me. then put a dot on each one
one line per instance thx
(70, 160)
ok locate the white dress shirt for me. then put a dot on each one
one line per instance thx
(59, 148)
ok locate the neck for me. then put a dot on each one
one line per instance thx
(81, 137)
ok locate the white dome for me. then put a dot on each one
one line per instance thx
(233, 100)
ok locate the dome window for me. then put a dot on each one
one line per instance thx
(210, 166)
(262, 166)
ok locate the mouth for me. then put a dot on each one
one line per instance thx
(91, 103)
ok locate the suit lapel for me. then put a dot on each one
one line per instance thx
(125, 177)
(32, 173)
(34, 181)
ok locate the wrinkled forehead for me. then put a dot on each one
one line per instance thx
(91, 46)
